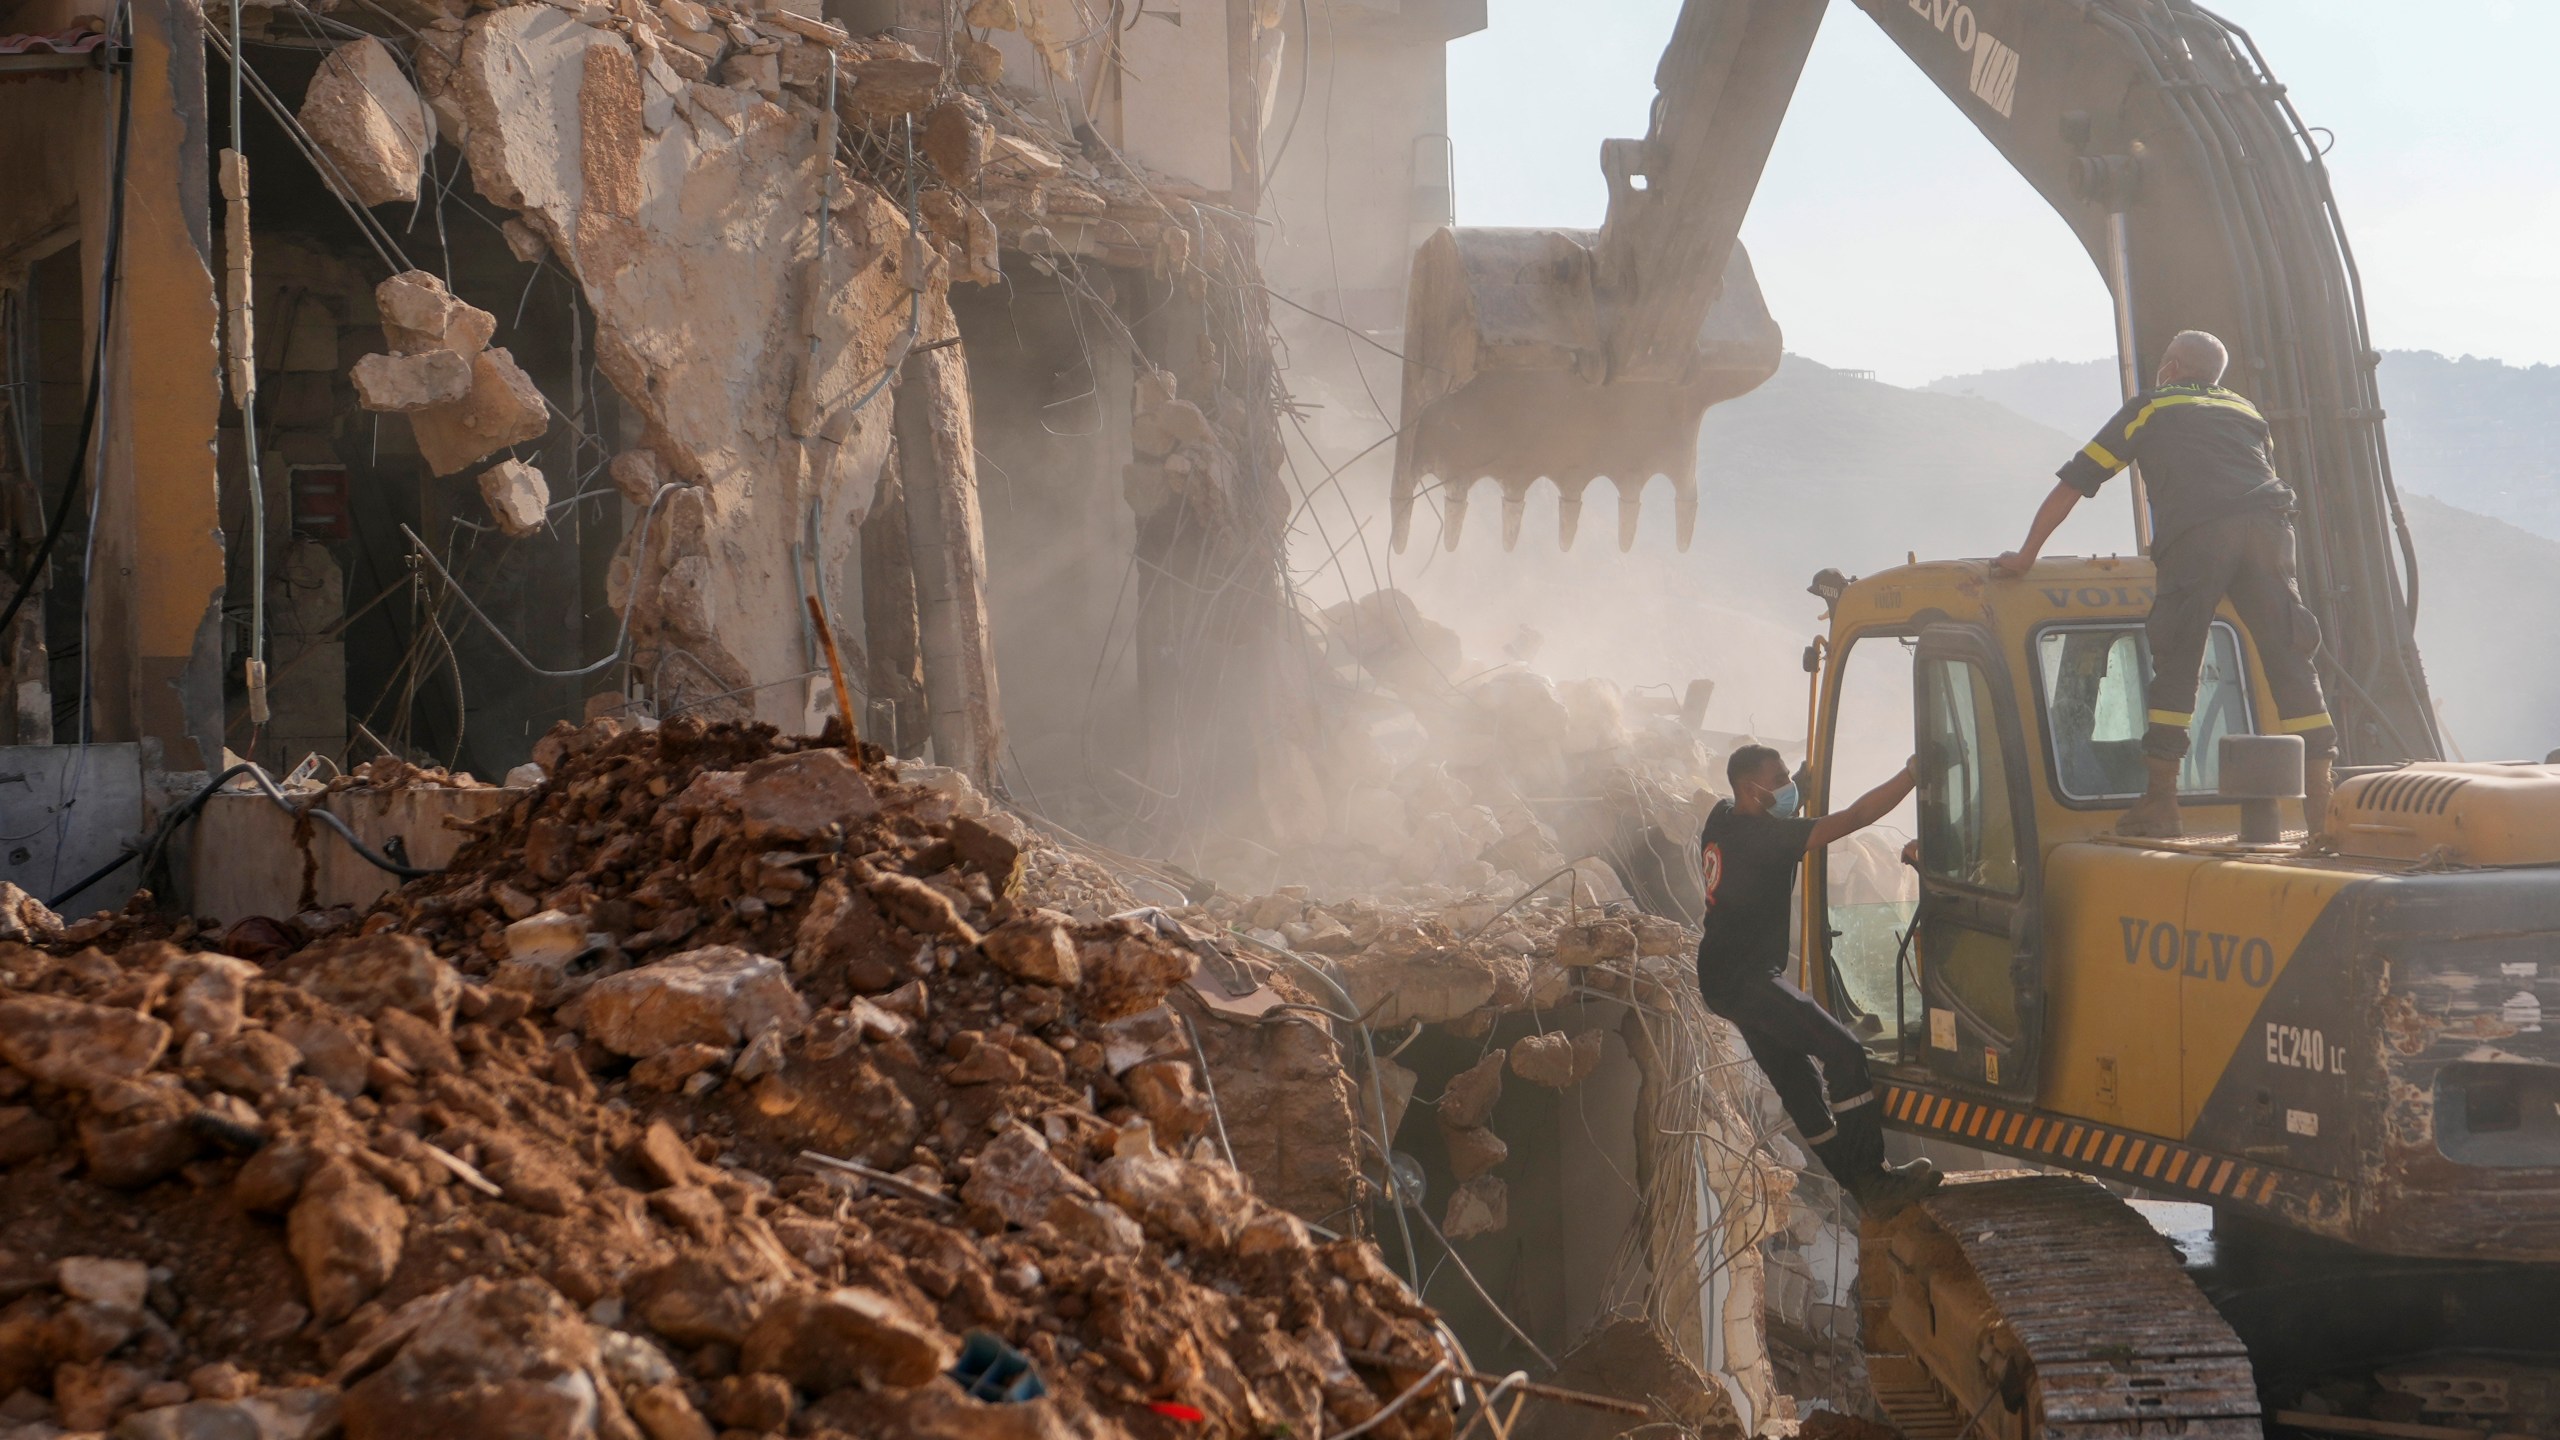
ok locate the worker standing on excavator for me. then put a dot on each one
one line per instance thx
(2221, 524)
(1748, 855)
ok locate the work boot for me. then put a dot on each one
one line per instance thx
(2319, 782)
(1892, 1187)
(2155, 815)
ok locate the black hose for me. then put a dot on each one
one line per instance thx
(153, 849)
(110, 268)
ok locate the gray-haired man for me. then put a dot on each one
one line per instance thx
(2221, 525)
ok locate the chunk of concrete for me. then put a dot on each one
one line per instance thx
(846, 1337)
(372, 124)
(518, 497)
(419, 314)
(404, 383)
(718, 995)
(75, 1045)
(502, 408)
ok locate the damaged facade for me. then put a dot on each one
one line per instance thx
(601, 362)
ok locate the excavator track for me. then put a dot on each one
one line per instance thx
(2012, 1305)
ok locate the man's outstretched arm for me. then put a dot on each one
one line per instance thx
(1870, 808)
(2049, 517)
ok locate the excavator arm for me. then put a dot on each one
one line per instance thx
(2153, 127)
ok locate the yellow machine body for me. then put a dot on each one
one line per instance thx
(2348, 1041)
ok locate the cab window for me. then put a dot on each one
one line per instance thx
(2093, 679)
(1968, 831)
(1869, 892)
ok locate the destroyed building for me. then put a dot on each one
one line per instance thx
(406, 391)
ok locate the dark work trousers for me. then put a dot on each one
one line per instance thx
(1789, 1035)
(2249, 558)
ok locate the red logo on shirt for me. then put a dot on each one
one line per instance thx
(1711, 864)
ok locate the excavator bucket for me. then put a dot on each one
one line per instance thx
(1506, 378)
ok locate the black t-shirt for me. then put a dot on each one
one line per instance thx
(2205, 456)
(1750, 869)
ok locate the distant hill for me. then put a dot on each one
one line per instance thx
(1821, 468)
(2481, 434)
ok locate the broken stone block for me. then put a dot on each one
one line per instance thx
(371, 123)
(845, 1337)
(329, 1054)
(211, 990)
(1128, 973)
(1479, 1207)
(1471, 1096)
(920, 907)
(638, 475)
(719, 995)
(78, 1046)
(1193, 1202)
(388, 971)
(747, 70)
(1163, 1092)
(665, 1412)
(345, 1234)
(1035, 947)
(509, 1358)
(956, 139)
(502, 408)
(523, 241)
(1017, 1177)
(405, 383)
(518, 498)
(1595, 943)
(1555, 1060)
(796, 797)
(699, 1299)
(419, 315)
(1475, 1150)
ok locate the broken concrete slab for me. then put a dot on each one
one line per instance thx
(371, 123)
(502, 408)
(404, 383)
(519, 500)
(718, 995)
(419, 314)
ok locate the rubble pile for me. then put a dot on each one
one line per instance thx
(724, 1085)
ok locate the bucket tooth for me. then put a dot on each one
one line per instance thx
(1684, 505)
(1630, 512)
(1515, 503)
(1569, 510)
(1453, 513)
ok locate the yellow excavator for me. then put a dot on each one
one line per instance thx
(2337, 1042)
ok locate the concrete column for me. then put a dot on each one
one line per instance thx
(937, 468)
(155, 587)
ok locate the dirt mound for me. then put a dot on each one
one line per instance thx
(528, 1150)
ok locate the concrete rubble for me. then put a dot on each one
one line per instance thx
(449, 1201)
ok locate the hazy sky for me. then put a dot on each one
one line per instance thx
(1889, 235)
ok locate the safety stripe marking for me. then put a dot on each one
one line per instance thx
(2103, 456)
(2219, 400)
(2305, 724)
(2122, 1152)
(2172, 717)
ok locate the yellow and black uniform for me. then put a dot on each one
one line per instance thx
(2221, 524)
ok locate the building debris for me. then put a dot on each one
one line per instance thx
(650, 1255)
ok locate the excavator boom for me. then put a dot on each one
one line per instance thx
(2152, 126)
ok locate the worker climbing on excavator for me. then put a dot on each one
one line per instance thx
(1748, 855)
(2222, 525)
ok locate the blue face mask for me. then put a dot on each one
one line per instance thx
(1783, 801)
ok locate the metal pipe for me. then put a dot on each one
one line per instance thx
(2128, 363)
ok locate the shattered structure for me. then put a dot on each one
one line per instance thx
(1226, 1000)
